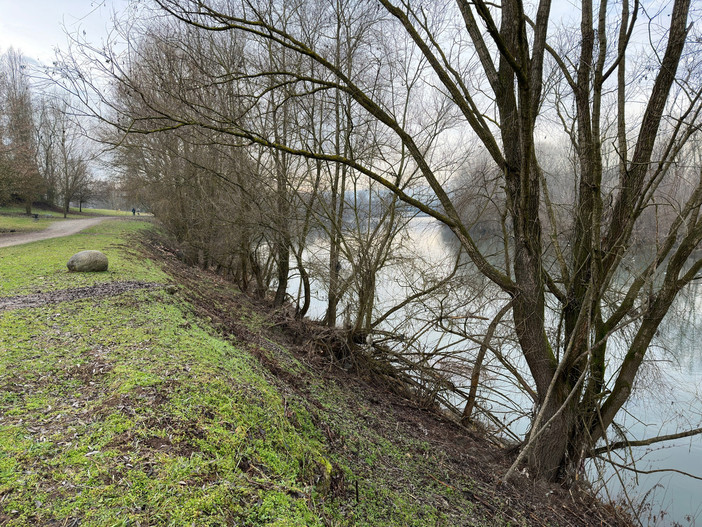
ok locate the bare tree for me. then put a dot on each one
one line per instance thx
(64, 153)
(47, 134)
(19, 148)
(207, 190)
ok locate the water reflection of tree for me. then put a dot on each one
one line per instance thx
(681, 332)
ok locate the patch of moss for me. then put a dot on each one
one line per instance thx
(148, 415)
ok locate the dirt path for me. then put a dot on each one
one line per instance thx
(77, 293)
(55, 230)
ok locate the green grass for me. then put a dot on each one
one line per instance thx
(127, 409)
(18, 209)
(134, 417)
(109, 212)
(41, 265)
(22, 224)
(73, 213)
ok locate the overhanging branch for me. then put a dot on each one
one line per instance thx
(645, 442)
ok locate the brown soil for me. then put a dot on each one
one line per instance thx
(77, 293)
(462, 461)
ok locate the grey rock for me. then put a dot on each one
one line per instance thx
(87, 261)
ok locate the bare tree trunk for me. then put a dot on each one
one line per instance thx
(282, 237)
(306, 287)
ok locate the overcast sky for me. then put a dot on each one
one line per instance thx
(37, 27)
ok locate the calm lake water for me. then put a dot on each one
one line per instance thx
(667, 399)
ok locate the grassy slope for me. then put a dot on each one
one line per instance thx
(152, 409)
(42, 265)
(43, 212)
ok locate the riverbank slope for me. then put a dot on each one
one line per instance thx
(156, 394)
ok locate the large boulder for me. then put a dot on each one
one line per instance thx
(87, 261)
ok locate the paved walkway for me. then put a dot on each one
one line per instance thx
(55, 230)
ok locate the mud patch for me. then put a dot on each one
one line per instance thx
(89, 371)
(76, 293)
(177, 438)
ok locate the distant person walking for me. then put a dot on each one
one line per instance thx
(133, 211)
